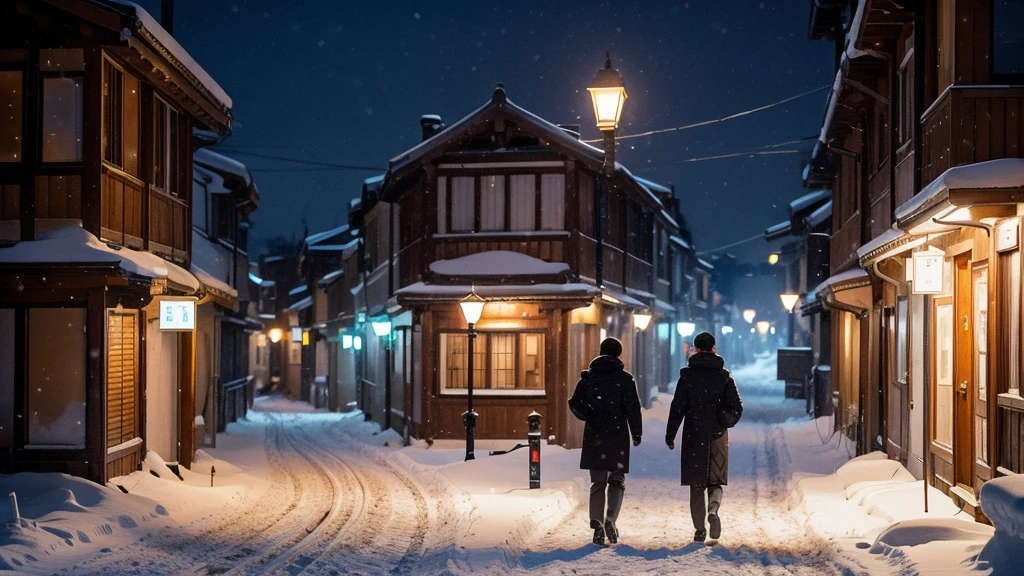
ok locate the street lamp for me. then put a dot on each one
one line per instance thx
(275, 335)
(382, 329)
(608, 94)
(789, 301)
(685, 328)
(472, 307)
(749, 315)
(641, 320)
(763, 326)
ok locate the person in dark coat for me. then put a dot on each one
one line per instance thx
(606, 399)
(707, 404)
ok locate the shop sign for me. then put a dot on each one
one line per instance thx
(177, 314)
(928, 270)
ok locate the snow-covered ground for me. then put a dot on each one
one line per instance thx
(299, 491)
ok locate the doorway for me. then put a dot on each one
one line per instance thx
(963, 374)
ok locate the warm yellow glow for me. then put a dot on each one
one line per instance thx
(305, 337)
(749, 315)
(789, 301)
(589, 315)
(609, 298)
(641, 320)
(763, 326)
(275, 335)
(608, 106)
(773, 259)
(472, 307)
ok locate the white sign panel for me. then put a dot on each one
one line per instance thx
(177, 315)
(1006, 235)
(928, 269)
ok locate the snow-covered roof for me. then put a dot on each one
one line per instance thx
(877, 242)
(73, 245)
(211, 181)
(148, 24)
(705, 264)
(209, 281)
(297, 290)
(808, 200)
(990, 175)
(620, 298)
(778, 230)
(497, 263)
(650, 184)
(319, 237)
(301, 304)
(848, 279)
(680, 241)
(819, 216)
(214, 162)
(330, 278)
(422, 290)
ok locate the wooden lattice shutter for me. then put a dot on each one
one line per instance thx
(122, 335)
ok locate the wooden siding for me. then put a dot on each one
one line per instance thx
(121, 218)
(971, 124)
(845, 241)
(549, 250)
(1011, 435)
(169, 225)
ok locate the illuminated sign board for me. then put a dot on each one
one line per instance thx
(928, 268)
(177, 315)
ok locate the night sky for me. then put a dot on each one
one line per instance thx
(342, 82)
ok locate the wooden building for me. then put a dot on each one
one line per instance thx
(923, 137)
(96, 144)
(505, 203)
(223, 196)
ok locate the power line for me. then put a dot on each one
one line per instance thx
(767, 150)
(720, 248)
(303, 161)
(717, 120)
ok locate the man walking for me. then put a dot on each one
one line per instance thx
(606, 399)
(707, 403)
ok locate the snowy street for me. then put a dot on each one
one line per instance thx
(300, 491)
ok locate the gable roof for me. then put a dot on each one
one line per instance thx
(550, 135)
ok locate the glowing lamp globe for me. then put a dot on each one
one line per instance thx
(686, 328)
(789, 301)
(275, 335)
(472, 307)
(749, 315)
(381, 328)
(608, 93)
(763, 326)
(641, 320)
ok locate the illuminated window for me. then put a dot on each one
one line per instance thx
(503, 363)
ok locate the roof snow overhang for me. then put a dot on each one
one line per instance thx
(847, 291)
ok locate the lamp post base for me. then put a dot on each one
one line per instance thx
(469, 418)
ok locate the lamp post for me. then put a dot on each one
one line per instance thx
(789, 301)
(382, 329)
(608, 95)
(641, 320)
(472, 307)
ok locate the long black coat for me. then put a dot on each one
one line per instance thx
(706, 402)
(606, 399)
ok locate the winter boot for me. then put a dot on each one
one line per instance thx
(700, 535)
(611, 531)
(716, 526)
(599, 536)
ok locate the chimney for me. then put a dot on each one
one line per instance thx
(571, 129)
(430, 124)
(167, 16)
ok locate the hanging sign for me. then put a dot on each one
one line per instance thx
(928, 270)
(1006, 235)
(177, 315)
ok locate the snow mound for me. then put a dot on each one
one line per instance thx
(927, 530)
(497, 263)
(1002, 500)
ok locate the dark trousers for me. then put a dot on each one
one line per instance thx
(614, 483)
(697, 506)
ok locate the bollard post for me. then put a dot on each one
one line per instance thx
(534, 440)
(15, 514)
(213, 470)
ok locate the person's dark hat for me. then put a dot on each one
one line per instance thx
(704, 341)
(611, 347)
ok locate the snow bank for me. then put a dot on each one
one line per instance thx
(1002, 500)
(497, 263)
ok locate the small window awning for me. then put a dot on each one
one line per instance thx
(887, 244)
(989, 189)
(848, 291)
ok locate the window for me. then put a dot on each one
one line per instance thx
(1007, 38)
(7, 361)
(62, 83)
(10, 202)
(944, 374)
(10, 115)
(442, 204)
(906, 103)
(122, 362)
(945, 48)
(492, 203)
(463, 204)
(523, 202)
(120, 119)
(165, 147)
(56, 378)
(552, 202)
(503, 363)
(981, 362)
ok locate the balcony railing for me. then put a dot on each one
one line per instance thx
(969, 124)
(124, 220)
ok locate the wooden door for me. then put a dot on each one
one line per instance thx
(963, 372)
